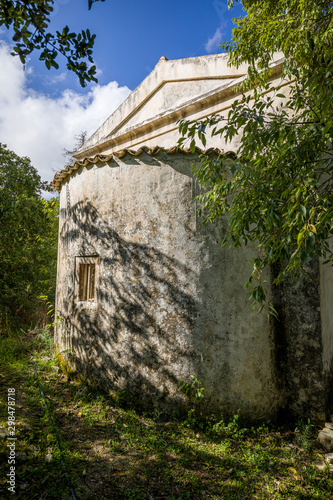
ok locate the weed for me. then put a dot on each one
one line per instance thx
(198, 418)
(49, 306)
(304, 432)
(195, 393)
(120, 397)
(135, 494)
(191, 421)
(42, 341)
(234, 429)
(194, 390)
(219, 428)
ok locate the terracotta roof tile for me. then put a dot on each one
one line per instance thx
(69, 169)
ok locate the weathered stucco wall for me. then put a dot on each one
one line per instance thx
(170, 301)
(326, 310)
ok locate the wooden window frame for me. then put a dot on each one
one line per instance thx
(87, 271)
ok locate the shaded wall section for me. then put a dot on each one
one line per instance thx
(326, 310)
(300, 346)
(170, 301)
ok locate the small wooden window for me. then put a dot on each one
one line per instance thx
(87, 275)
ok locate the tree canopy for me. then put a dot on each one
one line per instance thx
(30, 21)
(28, 239)
(278, 193)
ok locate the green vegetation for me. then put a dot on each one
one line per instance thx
(30, 21)
(113, 451)
(28, 242)
(283, 174)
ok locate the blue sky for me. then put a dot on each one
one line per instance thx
(41, 110)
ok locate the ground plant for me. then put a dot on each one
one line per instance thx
(112, 450)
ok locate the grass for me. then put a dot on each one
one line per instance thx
(112, 451)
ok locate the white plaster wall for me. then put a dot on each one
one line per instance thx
(190, 315)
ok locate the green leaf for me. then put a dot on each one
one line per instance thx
(304, 256)
(302, 210)
(328, 127)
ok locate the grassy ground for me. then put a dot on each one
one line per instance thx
(113, 452)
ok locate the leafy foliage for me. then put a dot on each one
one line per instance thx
(28, 239)
(278, 193)
(30, 21)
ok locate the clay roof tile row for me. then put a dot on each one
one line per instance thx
(69, 169)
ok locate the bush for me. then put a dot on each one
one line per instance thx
(28, 241)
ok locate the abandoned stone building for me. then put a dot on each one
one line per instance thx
(147, 296)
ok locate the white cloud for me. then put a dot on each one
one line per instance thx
(213, 43)
(40, 126)
(55, 78)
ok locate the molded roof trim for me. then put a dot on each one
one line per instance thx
(113, 133)
(69, 169)
(213, 66)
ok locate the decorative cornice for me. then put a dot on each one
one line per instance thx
(208, 67)
(69, 169)
(117, 133)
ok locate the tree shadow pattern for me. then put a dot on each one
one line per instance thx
(137, 335)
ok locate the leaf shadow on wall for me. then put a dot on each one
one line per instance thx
(137, 336)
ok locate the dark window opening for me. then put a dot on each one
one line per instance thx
(87, 275)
